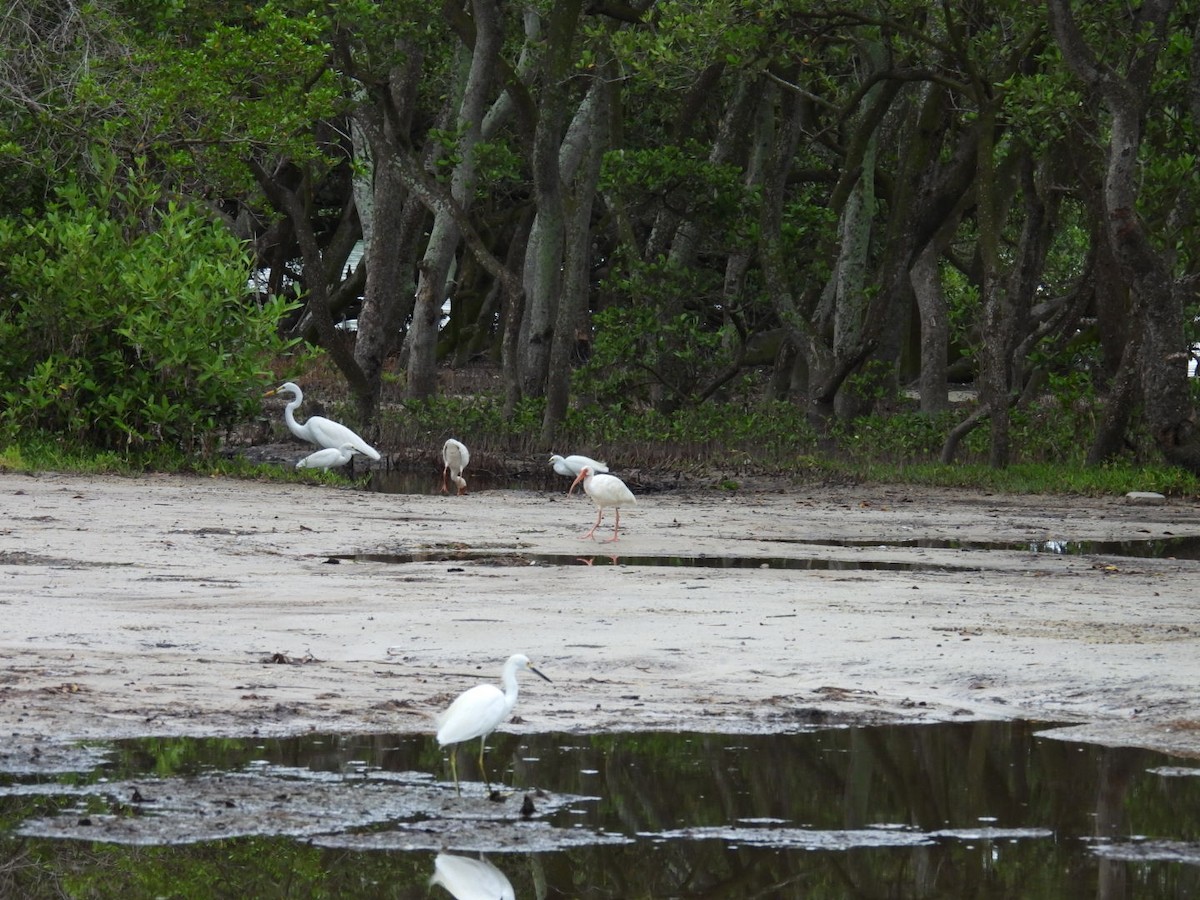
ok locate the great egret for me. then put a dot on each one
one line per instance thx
(455, 455)
(605, 491)
(476, 713)
(471, 879)
(329, 458)
(317, 429)
(570, 465)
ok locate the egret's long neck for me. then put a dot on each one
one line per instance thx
(510, 690)
(289, 416)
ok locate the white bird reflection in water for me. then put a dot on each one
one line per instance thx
(1050, 546)
(471, 879)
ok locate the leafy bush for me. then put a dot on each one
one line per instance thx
(747, 437)
(640, 347)
(128, 324)
(902, 437)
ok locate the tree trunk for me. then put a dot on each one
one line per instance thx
(926, 280)
(993, 195)
(321, 269)
(1157, 300)
(815, 365)
(445, 235)
(855, 232)
(573, 306)
(544, 252)
(391, 260)
(1123, 392)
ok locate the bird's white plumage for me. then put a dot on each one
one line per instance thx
(474, 713)
(477, 712)
(319, 430)
(329, 458)
(606, 491)
(471, 879)
(570, 465)
(455, 456)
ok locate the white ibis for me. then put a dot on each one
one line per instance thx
(329, 458)
(477, 712)
(605, 491)
(455, 455)
(570, 465)
(318, 430)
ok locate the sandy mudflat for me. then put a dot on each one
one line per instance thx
(193, 606)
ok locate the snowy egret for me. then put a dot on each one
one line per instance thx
(318, 430)
(329, 458)
(471, 879)
(570, 465)
(476, 713)
(605, 491)
(456, 456)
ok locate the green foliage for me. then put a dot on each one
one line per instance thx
(1043, 478)
(633, 350)
(684, 180)
(687, 35)
(903, 437)
(197, 89)
(759, 437)
(674, 335)
(500, 167)
(128, 324)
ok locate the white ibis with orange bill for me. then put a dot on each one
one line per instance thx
(570, 465)
(455, 455)
(606, 491)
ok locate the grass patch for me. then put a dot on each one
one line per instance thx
(44, 455)
(724, 443)
(720, 444)
(1040, 478)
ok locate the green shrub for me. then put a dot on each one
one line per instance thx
(128, 324)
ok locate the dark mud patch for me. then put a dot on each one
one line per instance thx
(281, 801)
(21, 558)
(22, 758)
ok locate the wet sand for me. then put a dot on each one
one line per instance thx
(167, 605)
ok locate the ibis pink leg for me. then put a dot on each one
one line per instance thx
(615, 527)
(591, 534)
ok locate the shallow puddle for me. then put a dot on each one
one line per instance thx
(969, 810)
(1162, 548)
(509, 558)
(429, 481)
(1144, 548)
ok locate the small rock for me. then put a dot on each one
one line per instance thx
(1145, 498)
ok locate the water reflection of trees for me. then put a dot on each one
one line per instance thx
(931, 779)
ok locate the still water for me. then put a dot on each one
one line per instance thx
(981, 810)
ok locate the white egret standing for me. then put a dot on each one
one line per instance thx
(476, 713)
(317, 429)
(329, 458)
(570, 466)
(455, 455)
(605, 491)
